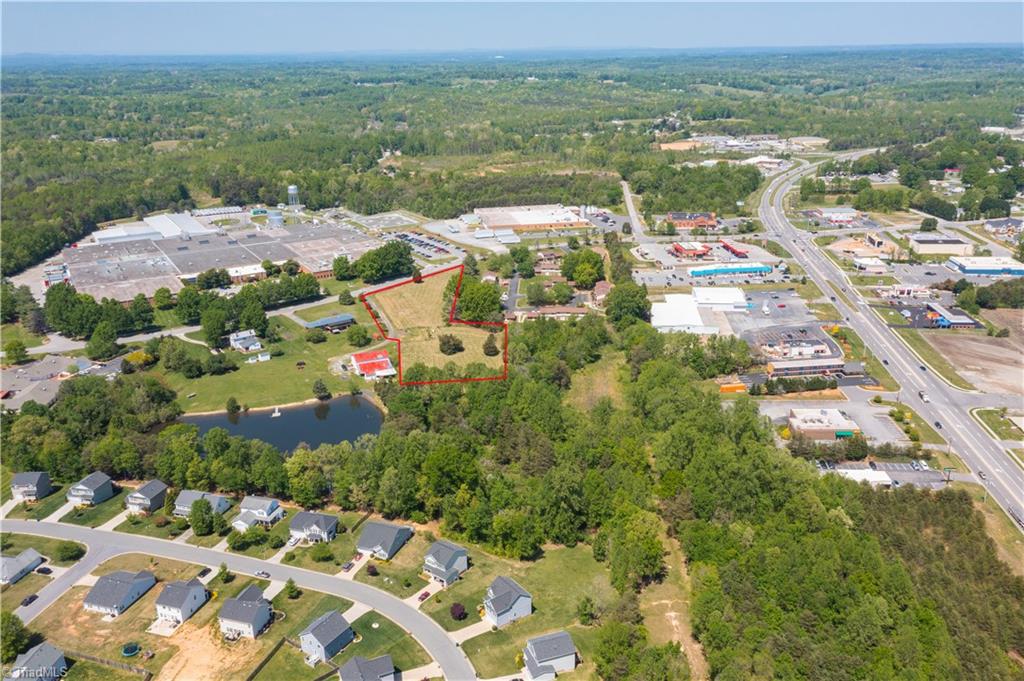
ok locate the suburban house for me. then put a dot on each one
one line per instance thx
(325, 637)
(245, 341)
(382, 540)
(180, 600)
(506, 602)
(257, 511)
(360, 669)
(30, 486)
(600, 292)
(373, 364)
(114, 593)
(547, 655)
(91, 490)
(147, 498)
(13, 568)
(445, 561)
(187, 497)
(246, 615)
(40, 663)
(692, 220)
(313, 527)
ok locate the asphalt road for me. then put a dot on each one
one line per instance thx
(949, 406)
(105, 544)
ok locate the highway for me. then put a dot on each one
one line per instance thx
(105, 544)
(950, 406)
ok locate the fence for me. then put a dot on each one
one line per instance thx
(145, 674)
(266, 658)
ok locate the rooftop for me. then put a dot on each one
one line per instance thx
(821, 418)
(327, 627)
(504, 592)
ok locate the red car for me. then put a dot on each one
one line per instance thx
(782, 305)
(424, 596)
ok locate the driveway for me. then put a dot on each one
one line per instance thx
(454, 663)
(472, 631)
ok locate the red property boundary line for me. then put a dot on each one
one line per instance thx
(451, 320)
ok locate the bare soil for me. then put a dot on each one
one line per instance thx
(992, 364)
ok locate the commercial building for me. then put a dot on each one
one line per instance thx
(934, 243)
(373, 364)
(903, 291)
(690, 249)
(943, 318)
(839, 215)
(531, 218)
(807, 367)
(706, 221)
(720, 298)
(730, 268)
(822, 424)
(735, 249)
(870, 265)
(155, 227)
(872, 477)
(332, 323)
(990, 266)
(679, 312)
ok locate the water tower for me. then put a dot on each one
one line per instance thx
(293, 195)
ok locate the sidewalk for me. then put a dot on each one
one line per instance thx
(355, 612)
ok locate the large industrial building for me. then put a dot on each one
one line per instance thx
(822, 424)
(928, 243)
(991, 266)
(730, 268)
(172, 251)
(839, 215)
(721, 299)
(530, 218)
(695, 313)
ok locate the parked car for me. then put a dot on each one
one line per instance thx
(292, 541)
(981, 474)
(28, 600)
(423, 596)
(347, 566)
(895, 483)
(938, 425)
(262, 574)
(205, 571)
(916, 466)
(44, 570)
(873, 465)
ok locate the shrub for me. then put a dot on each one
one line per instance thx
(316, 336)
(276, 541)
(321, 553)
(69, 550)
(291, 590)
(491, 346)
(449, 344)
(372, 570)
(458, 612)
(161, 521)
(289, 557)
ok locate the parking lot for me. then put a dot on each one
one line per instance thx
(430, 247)
(385, 220)
(786, 309)
(903, 473)
(873, 421)
(678, 276)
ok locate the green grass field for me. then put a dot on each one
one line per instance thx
(12, 594)
(824, 311)
(13, 332)
(917, 341)
(279, 381)
(855, 351)
(929, 435)
(1004, 428)
(146, 525)
(16, 543)
(84, 670)
(400, 575)
(40, 509)
(94, 516)
(5, 483)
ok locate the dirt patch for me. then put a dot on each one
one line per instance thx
(208, 656)
(831, 394)
(680, 145)
(992, 364)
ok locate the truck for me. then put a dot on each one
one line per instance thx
(923, 395)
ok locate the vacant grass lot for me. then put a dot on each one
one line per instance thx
(856, 352)
(16, 543)
(414, 305)
(13, 332)
(404, 568)
(147, 525)
(826, 312)
(40, 509)
(94, 516)
(1004, 428)
(557, 582)
(917, 340)
(84, 670)
(265, 384)
(421, 346)
(597, 381)
(929, 435)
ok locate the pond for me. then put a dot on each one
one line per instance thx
(343, 418)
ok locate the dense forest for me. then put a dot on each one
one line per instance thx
(88, 142)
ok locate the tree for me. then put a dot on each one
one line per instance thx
(449, 344)
(232, 405)
(14, 637)
(536, 294)
(162, 299)
(929, 224)
(200, 517)
(254, 317)
(291, 590)
(316, 336)
(372, 570)
(270, 268)
(188, 307)
(561, 293)
(585, 611)
(573, 243)
(15, 351)
(585, 276)
(393, 259)
(214, 321)
(321, 552)
(103, 342)
(470, 265)
(224, 575)
(627, 302)
(358, 336)
(320, 390)
(457, 611)
(345, 297)
(141, 312)
(68, 551)
(417, 275)
(290, 267)
(491, 346)
(343, 269)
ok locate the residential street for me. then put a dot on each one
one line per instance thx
(105, 544)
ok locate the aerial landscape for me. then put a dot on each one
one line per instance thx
(620, 341)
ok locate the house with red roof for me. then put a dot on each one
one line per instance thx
(373, 364)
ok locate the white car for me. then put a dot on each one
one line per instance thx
(293, 541)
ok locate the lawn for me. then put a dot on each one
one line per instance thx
(16, 543)
(12, 594)
(773, 247)
(423, 346)
(855, 351)
(13, 332)
(356, 309)
(265, 550)
(597, 381)
(264, 384)
(380, 636)
(400, 575)
(929, 435)
(94, 516)
(40, 509)
(414, 305)
(84, 670)
(146, 525)
(873, 280)
(917, 340)
(826, 312)
(557, 581)
(1007, 537)
(1004, 428)
(343, 548)
(5, 483)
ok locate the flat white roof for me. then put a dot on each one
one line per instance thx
(679, 312)
(719, 295)
(864, 475)
(869, 262)
(822, 418)
(986, 261)
(524, 216)
(839, 210)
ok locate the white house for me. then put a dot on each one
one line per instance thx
(91, 490)
(325, 637)
(40, 663)
(13, 568)
(445, 561)
(180, 600)
(246, 615)
(313, 527)
(257, 511)
(187, 497)
(546, 656)
(30, 486)
(506, 602)
(114, 593)
(147, 498)
(245, 341)
(361, 669)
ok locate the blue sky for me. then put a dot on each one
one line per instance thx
(273, 28)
